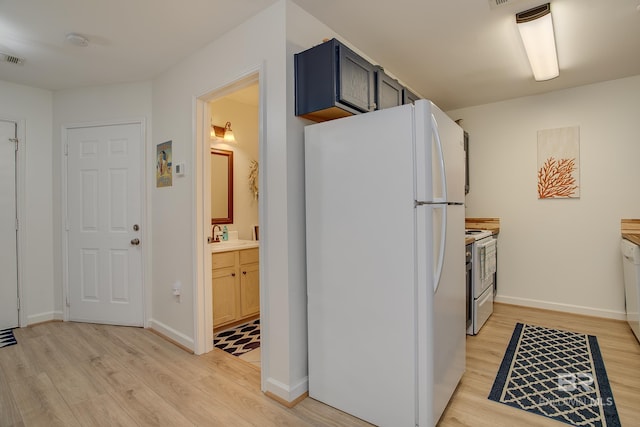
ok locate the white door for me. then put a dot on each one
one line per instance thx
(104, 205)
(8, 216)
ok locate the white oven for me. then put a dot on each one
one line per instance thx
(483, 268)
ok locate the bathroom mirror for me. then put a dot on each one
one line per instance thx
(221, 186)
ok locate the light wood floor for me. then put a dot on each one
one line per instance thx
(71, 374)
(470, 406)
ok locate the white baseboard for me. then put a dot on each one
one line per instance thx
(171, 333)
(48, 316)
(567, 308)
(284, 392)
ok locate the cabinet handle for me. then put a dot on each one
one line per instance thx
(233, 274)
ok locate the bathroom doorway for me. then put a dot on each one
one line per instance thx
(229, 299)
(234, 205)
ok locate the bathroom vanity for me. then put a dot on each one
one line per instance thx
(235, 282)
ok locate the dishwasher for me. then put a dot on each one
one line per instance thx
(631, 269)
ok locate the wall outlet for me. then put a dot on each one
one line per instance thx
(177, 288)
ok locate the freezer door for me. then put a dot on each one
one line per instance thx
(439, 155)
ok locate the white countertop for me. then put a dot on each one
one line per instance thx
(233, 245)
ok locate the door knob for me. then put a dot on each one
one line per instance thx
(135, 242)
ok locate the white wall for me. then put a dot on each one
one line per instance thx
(259, 42)
(244, 122)
(558, 254)
(93, 105)
(18, 102)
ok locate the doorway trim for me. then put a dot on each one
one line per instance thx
(21, 167)
(144, 220)
(203, 307)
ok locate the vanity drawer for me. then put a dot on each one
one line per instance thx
(223, 259)
(248, 256)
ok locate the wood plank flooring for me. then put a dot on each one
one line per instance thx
(470, 406)
(74, 374)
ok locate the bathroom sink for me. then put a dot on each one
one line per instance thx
(233, 245)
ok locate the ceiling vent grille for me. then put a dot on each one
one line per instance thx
(5, 57)
(493, 4)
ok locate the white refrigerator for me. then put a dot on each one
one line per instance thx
(385, 263)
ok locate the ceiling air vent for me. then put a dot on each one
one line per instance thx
(497, 3)
(5, 57)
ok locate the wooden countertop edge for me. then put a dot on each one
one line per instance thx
(492, 224)
(630, 226)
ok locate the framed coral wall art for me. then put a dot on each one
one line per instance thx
(559, 163)
(164, 175)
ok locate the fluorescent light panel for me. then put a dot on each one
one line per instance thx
(536, 30)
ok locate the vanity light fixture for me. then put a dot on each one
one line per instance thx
(536, 29)
(223, 132)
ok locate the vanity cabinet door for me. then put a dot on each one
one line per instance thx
(225, 301)
(249, 289)
(235, 286)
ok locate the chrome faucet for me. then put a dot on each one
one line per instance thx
(214, 238)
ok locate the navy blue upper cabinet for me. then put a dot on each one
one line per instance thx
(388, 90)
(409, 97)
(332, 81)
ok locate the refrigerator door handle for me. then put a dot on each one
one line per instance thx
(443, 241)
(443, 175)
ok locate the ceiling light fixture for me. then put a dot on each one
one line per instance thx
(77, 39)
(223, 132)
(536, 30)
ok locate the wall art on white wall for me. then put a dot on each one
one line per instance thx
(559, 163)
(164, 174)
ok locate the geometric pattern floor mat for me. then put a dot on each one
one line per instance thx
(239, 339)
(7, 338)
(556, 374)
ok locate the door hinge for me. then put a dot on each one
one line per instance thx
(15, 141)
(18, 303)
(66, 149)
(67, 302)
(66, 224)
(17, 224)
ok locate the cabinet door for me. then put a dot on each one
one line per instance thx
(249, 289)
(388, 91)
(355, 80)
(224, 295)
(409, 97)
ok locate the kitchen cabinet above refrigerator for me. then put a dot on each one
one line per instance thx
(332, 81)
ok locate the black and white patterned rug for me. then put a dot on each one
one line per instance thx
(240, 339)
(557, 374)
(7, 338)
